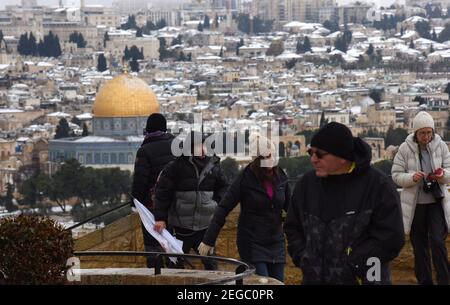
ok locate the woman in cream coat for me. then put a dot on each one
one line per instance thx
(427, 219)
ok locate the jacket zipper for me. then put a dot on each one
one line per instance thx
(196, 192)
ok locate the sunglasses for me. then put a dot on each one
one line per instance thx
(319, 153)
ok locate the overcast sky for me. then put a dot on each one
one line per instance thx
(108, 2)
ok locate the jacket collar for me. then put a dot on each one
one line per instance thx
(414, 146)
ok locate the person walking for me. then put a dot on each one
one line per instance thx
(344, 223)
(263, 193)
(187, 193)
(153, 155)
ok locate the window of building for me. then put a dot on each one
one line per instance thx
(88, 158)
(121, 158)
(130, 158)
(97, 159)
(113, 158)
(105, 159)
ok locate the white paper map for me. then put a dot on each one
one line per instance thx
(169, 243)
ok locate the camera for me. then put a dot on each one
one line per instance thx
(433, 188)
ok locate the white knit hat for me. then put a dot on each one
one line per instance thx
(421, 120)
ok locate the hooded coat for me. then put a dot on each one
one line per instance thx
(186, 195)
(151, 158)
(406, 163)
(260, 235)
(335, 224)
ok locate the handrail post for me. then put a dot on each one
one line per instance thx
(158, 263)
(240, 269)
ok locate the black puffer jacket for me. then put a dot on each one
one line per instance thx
(260, 235)
(151, 158)
(335, 224)
(186, 195)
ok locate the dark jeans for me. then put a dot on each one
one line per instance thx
(151, 245)
(191, 240)
(429, 230)
(270, 270)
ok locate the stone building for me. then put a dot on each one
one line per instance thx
(120, 113)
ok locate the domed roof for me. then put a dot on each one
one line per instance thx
(125, 96)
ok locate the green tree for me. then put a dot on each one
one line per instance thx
(76, 120)
(182, 57)
(126, 53)
(341, 44)
(295, 167)
(275, 48)
(85, 130)
(206, 22)
(419, 99)
(149, 26)
(423, 29)
(395, 136)
(444, 35)
(259, 25)
(447, 90)
(32, 46)
(177, 41)
(7, 201)
(163, 52)
(332, 26)
(308, 134)
(101, 63)
(200, 27)
(63, 129)
(134, 65)
(291, 63)
(105, 38)
(240, 44)
(139, 32)
(303, 47)
(376, 95)
(130, 24)
(77, 38)
(323, 121)
(411, 44)
(385, 166)
(434, 35)
(370, 50)
(161, 24)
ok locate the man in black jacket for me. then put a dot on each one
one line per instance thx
(344, 224)
(153, 155)
(187, 194)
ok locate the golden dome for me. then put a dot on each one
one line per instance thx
(125, 96)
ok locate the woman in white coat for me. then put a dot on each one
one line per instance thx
(422, 168)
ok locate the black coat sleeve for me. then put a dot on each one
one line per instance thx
(287, 201)
(164, 191)
(385, 236)
(293, 227)
(141, 179)
(221, 185)
(229, 201)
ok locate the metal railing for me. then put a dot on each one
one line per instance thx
(242, 270)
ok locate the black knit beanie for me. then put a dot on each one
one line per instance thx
(156, 122)
(336, 139)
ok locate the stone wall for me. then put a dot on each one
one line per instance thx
(125, 235)
(122, 235)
